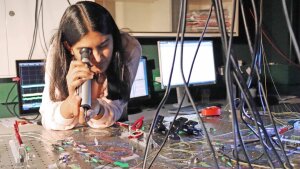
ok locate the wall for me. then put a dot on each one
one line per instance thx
(144, 15)
(17, 27)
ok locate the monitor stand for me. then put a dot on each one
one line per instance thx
(186, 107)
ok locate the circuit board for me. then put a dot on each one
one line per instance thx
(85, 147)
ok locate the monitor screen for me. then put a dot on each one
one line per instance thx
(31, 85)
(204, 67)
(140, 84)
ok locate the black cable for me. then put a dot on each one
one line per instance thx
(34, 31)
(292, 35)
(26, 119)
(167, 92)
(269, 40)
(190, 96)
(242, 109)
(228, 156)
(14, 98)
(257, 117)
(272, 80)
(42, 41)
(258, 120)
(246, 27)
(264, 99)
(252, 160)
(251, 107)
(254, 48)
(249, 78)
(271, 116)
(255, 56)
(220, 19)
(221, 24)
(244, 114)
(229, 88)
(223, 32)
(276, 48)
(257, 51)
(259, 59)
(6, 101)
(43, 31)
(184, 95)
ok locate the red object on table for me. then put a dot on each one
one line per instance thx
(137, 124)
(136, 134)
(283, 130)
(211, 111)
(17, 133)
(122, 124)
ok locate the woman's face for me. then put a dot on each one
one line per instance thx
(102, 48)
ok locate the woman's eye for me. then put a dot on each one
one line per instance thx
(102, 46)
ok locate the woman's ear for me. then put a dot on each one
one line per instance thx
(68, 47)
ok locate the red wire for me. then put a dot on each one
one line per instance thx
(18, 137)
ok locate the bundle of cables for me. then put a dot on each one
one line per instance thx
(272, 147)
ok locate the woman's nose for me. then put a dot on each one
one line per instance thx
(96, 56)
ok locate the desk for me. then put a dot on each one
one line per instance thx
(57, 149)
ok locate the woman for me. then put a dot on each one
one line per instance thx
(114, 61)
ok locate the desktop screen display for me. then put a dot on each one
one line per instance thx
(204, 66)
(140, 85)
(31, 85)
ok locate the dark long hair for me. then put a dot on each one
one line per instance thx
(77, 21)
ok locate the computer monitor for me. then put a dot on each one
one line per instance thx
(203, 72)
(31, 85)
(140, 84)
(140, 89)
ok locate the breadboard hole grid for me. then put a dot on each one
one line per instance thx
(39, 154)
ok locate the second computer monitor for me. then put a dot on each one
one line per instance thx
(204, 65)
(140, 84)
(203, 72)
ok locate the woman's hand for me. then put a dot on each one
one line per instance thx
(70, 107)
(78, 73)
(95, 107)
